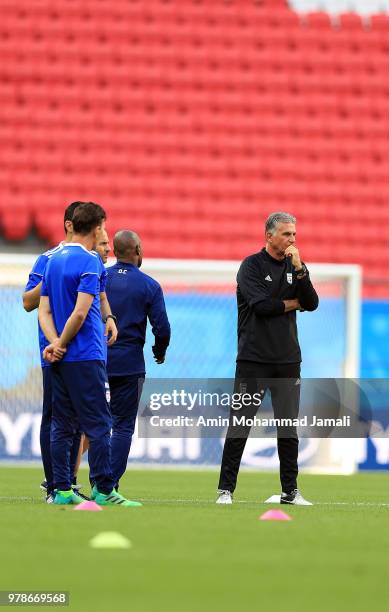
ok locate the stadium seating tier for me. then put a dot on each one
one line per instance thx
(190, 121)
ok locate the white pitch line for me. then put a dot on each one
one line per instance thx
(210, 502)
(373, 504)
(4, 498)
(254, 503)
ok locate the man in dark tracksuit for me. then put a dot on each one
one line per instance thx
(272, 285)
(134, 297)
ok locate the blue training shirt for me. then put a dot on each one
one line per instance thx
(70, 271)
(34, 278)
(134, 297)
(103, 282)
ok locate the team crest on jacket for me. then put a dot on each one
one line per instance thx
(289, 277)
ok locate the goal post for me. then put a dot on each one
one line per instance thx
(201, 304)
(330, 340)
(343, 280)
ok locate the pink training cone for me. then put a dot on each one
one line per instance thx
(275, 515)
(88, 505)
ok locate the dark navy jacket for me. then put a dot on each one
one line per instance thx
(134, 297)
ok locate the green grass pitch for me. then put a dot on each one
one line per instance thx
(189, 555)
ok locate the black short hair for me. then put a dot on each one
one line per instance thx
(69, 211)
(87, 217)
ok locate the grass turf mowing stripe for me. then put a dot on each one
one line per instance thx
(188, 554)
(212, 502)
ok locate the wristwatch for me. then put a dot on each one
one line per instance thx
(111, 316)
(302, 272)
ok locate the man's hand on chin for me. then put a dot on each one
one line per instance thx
(293, 252)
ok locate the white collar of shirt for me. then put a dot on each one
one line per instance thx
(71, 244)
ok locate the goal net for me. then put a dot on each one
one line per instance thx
(201, 304)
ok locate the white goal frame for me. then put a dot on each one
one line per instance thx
(335, 456)
(202, 272)
(14, 270)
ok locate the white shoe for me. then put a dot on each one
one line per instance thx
(294, 498)
(225, 497)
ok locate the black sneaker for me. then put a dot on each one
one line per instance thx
(294, 498)
(43, 486)
(50, 498)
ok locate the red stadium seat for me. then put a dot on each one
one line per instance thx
(380, 22)
(351, 22)
(319, 21)
(15, 221)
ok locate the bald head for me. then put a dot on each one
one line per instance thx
(128, 247)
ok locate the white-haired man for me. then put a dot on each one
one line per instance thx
(272, 285)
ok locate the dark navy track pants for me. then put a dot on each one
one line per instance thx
(125, 396)
(80, 405)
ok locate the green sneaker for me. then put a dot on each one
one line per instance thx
(113, 499)
(63, 498)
